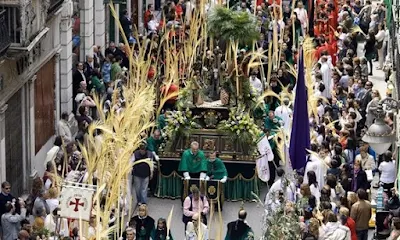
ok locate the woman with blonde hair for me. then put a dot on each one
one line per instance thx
(52, 199)
(144, 223)
(347, 221)
(360, 179)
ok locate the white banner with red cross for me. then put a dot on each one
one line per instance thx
(76, 201)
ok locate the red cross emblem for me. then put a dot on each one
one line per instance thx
(77, 204)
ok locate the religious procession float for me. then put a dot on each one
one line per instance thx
(216, 106)
(206, 97)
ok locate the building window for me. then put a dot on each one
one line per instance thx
(4, 38)
(13, 21)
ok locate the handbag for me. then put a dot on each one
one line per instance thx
(379, 44)
(370, 176)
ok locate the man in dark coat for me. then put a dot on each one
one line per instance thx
(77, 78)
(126, 24)
(239, 230)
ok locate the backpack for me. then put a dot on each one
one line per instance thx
(186, 219)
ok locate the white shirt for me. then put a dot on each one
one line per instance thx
(303, 16)
(278, 186)
(321, 110)
(327, 79)
(315, 192)
(257, 85)
(320, 139)
(333, 231)
(285, 113)
(52, 203)
(388, 172)
(191, 232)
(361, 49)
(50, 224)
(316, 165)
(152, 25)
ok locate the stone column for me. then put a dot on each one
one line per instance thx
(116, 29)
(31, 166)
(140, 15)
(87, 28)
(57, 70)
(100, 24)
(66, 59)
(3, 110)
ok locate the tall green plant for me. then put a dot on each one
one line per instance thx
(234, 27)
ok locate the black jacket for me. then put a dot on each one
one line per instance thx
(237, 229)
(142, 170)
(362, 181)
(77, 78)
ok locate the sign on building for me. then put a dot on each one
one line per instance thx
(76, 201)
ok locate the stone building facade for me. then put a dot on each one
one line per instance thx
(36, 78)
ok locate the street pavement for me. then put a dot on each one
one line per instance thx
(162, 207)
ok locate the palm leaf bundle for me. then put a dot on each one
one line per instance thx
(107, 155)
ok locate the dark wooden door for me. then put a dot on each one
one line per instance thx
(14, 138)
(44, 105)
(135, 13)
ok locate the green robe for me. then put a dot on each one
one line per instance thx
(97, 85)
(115, 70)
(193, 163)
(272, 126)
(159, 235)
(153, 144)
(216, 170)
(161, 122)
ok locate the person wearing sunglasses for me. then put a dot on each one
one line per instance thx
(5, 197)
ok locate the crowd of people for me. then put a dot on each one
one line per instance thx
(332, 191)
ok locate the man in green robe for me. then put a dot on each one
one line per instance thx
(154, 142)
(116, 68)
(216, 169)
(239, 230)
(161, 122)
(272, 123)
(193, 162)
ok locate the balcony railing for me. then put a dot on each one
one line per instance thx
(5, 40)
(54, 6)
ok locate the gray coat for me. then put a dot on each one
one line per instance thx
(11, 224)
